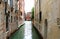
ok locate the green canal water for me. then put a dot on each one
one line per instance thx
(27, 31)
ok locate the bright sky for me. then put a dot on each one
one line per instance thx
(28, 5)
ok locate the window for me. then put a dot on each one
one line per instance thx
(58, 21)
(14, 19)
(0, 1)
(7, 20)
(21, 13)
(9, 13)
(11, 9)
(11, 19)
(5, 7)
(5, 0)
(40, 16)
(46, 22)
(7, 23)
(45, 28)
(11, 3)
(15, 11)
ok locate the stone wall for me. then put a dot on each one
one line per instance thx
(21, 12)
(2, 22)
(37, 22)
(12, 26)
(50, 24)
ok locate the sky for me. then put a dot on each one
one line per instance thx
(28, 5)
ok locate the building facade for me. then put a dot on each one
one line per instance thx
(21, 12)
(37, 19)
(8, 18)
(2, 21)
(28, 16)
(47, 18)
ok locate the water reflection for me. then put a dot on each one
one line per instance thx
(28, 30)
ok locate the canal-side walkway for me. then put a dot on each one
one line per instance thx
(27, 31)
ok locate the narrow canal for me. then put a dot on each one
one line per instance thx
(27, 31)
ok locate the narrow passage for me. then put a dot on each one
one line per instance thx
(27, 31)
